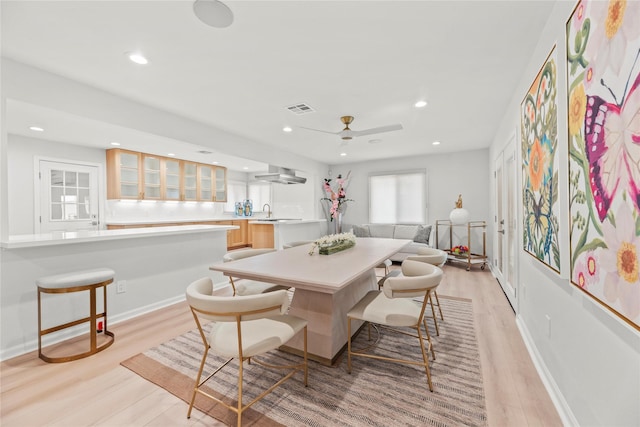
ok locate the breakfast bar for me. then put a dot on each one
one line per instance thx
(326, 286)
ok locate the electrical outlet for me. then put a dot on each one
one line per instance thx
(121, 286)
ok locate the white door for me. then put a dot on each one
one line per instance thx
(68, 197)
(505, 222)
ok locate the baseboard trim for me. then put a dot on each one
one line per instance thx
(563, 408)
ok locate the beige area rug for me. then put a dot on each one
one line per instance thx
(377, 393)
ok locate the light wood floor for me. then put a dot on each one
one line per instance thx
(98, 391)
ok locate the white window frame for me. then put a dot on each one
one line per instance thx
(424, 216)
(230, 204)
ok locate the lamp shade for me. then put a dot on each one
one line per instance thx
(459, 216)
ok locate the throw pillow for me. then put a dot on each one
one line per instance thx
(422, 235)
(361, 231)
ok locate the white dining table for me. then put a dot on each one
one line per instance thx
(326, 287)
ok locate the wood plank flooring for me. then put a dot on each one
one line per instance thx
(98, 391)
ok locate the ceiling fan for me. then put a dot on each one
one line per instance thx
(347, 133)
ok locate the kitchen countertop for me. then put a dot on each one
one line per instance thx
(252, 220)
(70, 237)
(284, 221)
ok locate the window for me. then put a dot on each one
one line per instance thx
(236, 192)
(260, 193)
(398, 198)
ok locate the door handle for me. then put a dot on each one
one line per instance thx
(501, 231)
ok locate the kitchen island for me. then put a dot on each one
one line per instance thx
(275, 233)
(153, 267)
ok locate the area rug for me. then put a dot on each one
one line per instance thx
(377, 393)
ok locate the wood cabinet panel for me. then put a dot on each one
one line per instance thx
(262, 236)
(124, 174)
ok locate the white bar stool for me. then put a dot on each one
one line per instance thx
(77, 281)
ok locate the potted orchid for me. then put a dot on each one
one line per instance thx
(338, 198)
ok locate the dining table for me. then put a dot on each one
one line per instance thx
(326, 287)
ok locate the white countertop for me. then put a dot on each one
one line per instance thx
(70, 237)
(276, 221)
(257, 220)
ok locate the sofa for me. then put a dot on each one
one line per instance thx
(420, 235)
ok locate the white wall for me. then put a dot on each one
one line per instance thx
(21, 152)
(589, 357)
(448, 175)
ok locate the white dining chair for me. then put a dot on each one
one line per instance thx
(243, 328)
(246, 286)
(394, 308)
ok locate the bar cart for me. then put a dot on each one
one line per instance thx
(470, 257)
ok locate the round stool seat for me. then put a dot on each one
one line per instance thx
(78, 281)
(76, 278)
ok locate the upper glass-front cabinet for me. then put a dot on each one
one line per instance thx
(221, 184)
(124, 179)
(190, 180)
(171, 173)
(133, 175)
(152, 177)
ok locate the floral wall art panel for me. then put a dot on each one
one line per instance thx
(539, 136)
(603, 75)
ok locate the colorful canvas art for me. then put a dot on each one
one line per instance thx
(603, 70)
(539, 136)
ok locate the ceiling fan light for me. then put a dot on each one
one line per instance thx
(213, 13)
(420, 104)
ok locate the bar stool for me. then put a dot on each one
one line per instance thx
(77, 281)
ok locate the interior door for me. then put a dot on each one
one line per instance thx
(68, 197)
(505, 222)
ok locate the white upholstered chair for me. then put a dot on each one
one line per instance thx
(438, 258)
(243, 328)
(290, 245)
(394, 308)
(246, 286)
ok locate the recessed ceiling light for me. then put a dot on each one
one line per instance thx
(138, 58)
(246, 167)
(435, 143)
(421, 104)
(36, 129)
(170, 154)
(287, 129)
(215, 163)
(343, 154)
(115, 143)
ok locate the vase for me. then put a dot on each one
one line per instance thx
(338, 223)
(459, 216)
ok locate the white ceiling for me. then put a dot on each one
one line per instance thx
(369, 59)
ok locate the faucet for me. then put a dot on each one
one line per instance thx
(268, 209)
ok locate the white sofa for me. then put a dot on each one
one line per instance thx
(421, 236)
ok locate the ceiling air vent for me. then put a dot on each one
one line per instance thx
(205, 152)
(299, 109)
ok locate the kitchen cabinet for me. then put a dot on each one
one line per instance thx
(142, 176)
(238, 238)
(124, 174)
(221, 184)
(262, 236)
(171, 172)
(189, 181)
(205, 183)
(151, 173)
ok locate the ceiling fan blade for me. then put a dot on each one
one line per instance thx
(380, 129)
(319, 130)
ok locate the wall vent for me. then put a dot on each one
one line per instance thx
(299, 109)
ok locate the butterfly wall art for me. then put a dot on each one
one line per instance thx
(539, 137)
(603, 78)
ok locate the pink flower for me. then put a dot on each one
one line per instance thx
(620, 262)
(586, 271)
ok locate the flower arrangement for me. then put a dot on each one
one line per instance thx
(337, 197)
(460, 250)
(346, 240)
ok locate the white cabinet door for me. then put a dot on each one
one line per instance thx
(68, 197)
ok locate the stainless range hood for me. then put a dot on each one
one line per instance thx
(281, 176)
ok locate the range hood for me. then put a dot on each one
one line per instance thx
(281, 176)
